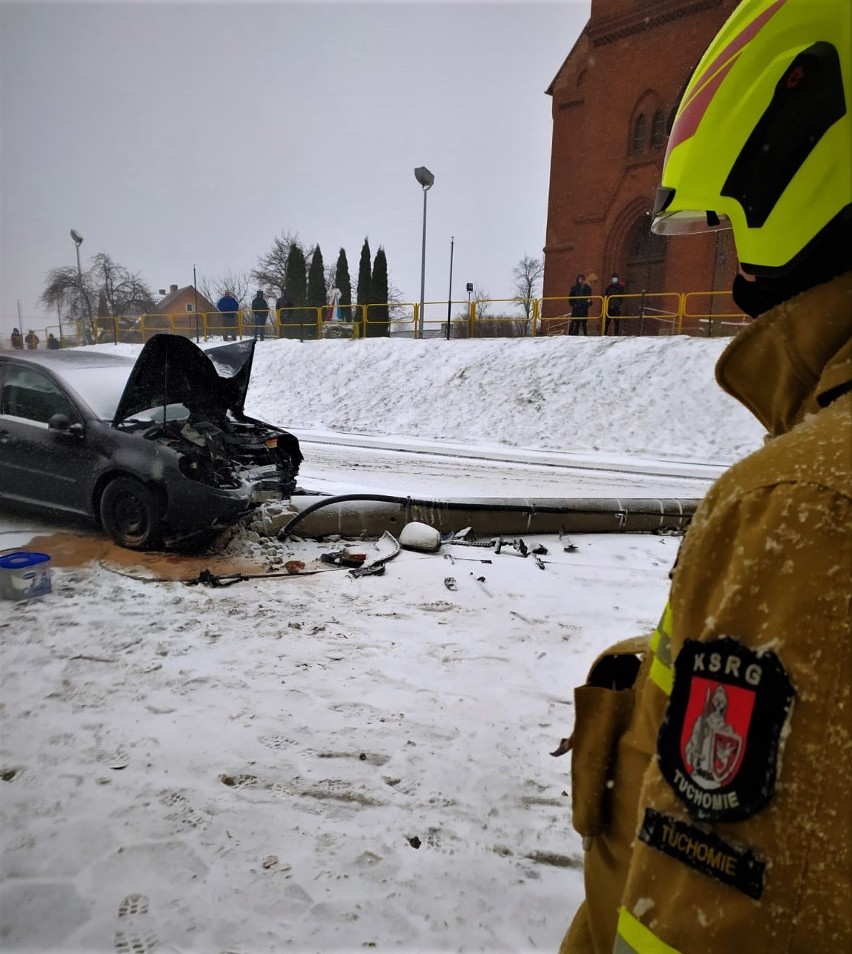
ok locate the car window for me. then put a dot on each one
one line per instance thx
(30, 395)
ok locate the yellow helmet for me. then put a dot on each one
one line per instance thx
(762, 138)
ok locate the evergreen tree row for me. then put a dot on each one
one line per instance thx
(303, 287)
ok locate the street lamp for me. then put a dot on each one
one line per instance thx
(426, 180)
(450, 293)
(195, 293)
(78, 241)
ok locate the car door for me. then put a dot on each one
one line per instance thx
(38, 464)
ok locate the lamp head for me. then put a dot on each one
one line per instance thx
(424, 177)
(78, 239)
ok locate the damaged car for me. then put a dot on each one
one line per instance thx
(158, 450)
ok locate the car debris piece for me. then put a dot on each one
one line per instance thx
(208, 578)
(391, 546)
(518, 545)
(420, 536)
(450, 583)
(340, 558)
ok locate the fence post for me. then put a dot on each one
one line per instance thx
(471, 318)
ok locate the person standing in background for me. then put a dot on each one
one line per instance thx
(229, 307)
(580, 303)
(613, 305)
(259, 314)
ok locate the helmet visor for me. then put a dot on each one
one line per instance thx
(688, 222)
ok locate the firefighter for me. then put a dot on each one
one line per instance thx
(711, 766)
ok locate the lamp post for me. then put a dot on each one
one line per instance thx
(426, 180)
(450, 293)
(78, 241)
(195, 292)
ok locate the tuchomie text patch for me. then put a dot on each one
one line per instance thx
(737, 867)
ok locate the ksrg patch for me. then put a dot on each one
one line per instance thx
(718, 745)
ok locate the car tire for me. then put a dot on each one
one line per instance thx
(130, 514)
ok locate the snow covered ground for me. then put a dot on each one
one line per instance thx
(323, 763)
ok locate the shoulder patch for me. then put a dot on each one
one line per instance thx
(736, 867)
(718, 744)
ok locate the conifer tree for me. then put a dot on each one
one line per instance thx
(379, 325)
(317, 292)
(343, 281)
(364, 293)
(295, 285)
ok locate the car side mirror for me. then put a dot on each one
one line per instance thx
(60, 422)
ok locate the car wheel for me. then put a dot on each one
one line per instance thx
(130, 514)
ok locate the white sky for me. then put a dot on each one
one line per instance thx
(179, 134)
(252, 764)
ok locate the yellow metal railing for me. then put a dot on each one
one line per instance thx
(698, 313)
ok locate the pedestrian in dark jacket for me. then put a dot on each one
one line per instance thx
(229, 307)
(613, 304)
(580, 303)
(259, 313)
(17, 340)
(282, 315)
(53, 342)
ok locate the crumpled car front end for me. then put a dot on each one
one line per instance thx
(218, 463)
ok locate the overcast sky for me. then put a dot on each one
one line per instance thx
(179, 134)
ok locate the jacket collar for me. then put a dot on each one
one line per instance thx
(795, 358)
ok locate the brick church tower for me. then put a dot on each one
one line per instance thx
(612, 99)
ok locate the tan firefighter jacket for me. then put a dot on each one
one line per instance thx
(714, 793)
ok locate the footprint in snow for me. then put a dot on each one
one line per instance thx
(134, 933)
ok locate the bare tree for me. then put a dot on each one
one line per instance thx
(120, 294)
(486, 324)
(64, 290)
(124, 292)
(395, 303)
(483, 302)
(271, 271)
(527, 274)
(214, 287)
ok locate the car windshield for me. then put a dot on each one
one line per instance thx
(99, 387)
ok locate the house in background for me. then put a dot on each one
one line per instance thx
(178, 307)
(612, 100)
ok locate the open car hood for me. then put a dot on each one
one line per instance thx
(171, 369)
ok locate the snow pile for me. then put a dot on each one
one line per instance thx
(648, 397)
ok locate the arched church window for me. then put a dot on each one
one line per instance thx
(658, 129)
(637, 142)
